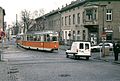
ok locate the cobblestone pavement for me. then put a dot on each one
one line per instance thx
(108, 58)
(4, 65)
(3, 71)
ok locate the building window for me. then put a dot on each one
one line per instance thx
(73, 18)
(84, 34)
(109, 15)
(73, 32)
(94, 14)
(69, 10)
(73, 35)
(119, 28)
(62, 21)
(89, 14)
(78, 32)
(78, 18)
(65, 20)
(69, 19)
(0, 21)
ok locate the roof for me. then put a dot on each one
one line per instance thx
(73, 5)
(101, 0)
(49, 14)
(41, 32)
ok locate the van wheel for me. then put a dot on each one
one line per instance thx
(74, 56)
(67, 56)
(87, 58)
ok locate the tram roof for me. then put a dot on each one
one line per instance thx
(41, 32)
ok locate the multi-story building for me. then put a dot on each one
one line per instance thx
(2, 14)
(102, 20)
(72, 22)
(90, 20)
(50, 21)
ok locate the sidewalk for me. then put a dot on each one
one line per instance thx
(3, 71)
(3, 67)
(108, 58)
(4, 64)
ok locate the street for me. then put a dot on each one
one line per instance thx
(32, 65)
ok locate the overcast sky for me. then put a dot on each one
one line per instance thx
(13, 7)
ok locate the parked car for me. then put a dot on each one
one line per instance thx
(79, 49)
(100, 46)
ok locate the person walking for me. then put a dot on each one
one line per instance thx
(116, 49)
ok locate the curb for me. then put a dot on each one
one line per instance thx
(107, 60)
(116, 62)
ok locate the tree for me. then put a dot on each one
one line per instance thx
(37, 13)
(28, 18)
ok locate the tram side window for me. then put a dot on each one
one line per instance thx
(38, 38)
(31, 38)
(54, 38)
(34, 38)
(28, 38)
(44, 37)
(48, 37)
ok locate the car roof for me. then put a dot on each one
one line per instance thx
(111, 44)
(81, 42)
(105, 43)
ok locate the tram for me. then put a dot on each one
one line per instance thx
(46, 40)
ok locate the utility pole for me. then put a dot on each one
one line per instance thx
(60, 30)
(17, 28)
(103, 30)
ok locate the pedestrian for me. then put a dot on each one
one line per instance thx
(116, 49)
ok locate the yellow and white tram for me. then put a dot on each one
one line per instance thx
(46, 40)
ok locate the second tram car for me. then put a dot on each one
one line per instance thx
(46, 40)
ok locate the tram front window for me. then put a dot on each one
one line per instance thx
(54, 38)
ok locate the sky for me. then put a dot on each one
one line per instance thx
(13, 7)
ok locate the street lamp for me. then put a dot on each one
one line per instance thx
(60, 30)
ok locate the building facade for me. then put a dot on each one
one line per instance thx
(102, 20)
(72, 22)
(2, 14)
(90, 20)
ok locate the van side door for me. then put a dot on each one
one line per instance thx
(81, 49)
(87, 50)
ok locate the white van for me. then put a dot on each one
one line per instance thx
(79, 49)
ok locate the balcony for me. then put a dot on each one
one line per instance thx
(90, 22)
